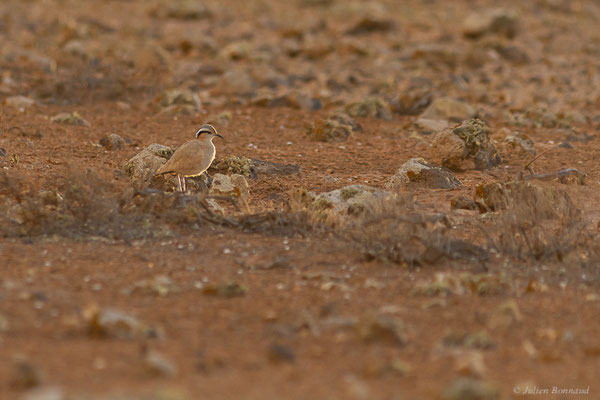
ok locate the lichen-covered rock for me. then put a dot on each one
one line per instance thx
(115, 324)
(141, 167)
(498, 21)
(466, 146)
(350, 199)
(70, 119)
(329, 130)
(235, 165)
(417, 171)
(517, 145)
(178, 97)
(112, 142)
(370, 107)
(234, 186)
(448, 109)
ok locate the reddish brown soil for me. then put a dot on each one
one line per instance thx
(220, 346)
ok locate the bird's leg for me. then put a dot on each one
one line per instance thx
(184, 185)
(180, 187)
(210, 180)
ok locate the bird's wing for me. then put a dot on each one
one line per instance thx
(185, 160)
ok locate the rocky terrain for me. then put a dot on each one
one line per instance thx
(404, 205)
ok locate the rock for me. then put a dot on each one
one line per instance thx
(349, 200)
(545, 201)
(26, 375)
(462, 203)
(70, 119)
(236, 82)
(419, 172)
(44, 393)
(448, 109)
(235, 165)
(370, 107)
(112, 142)
(230, 289)
(115, 324)
(470, 389)
(384, 329)
(160, 285)
(158, 365)
(278, 353)
(412, 101)
(182, 9)
(78, 48)
(252, 167)
(272, 168)
(517, 145)
(141, 167)
(234, 185)
(427, 126)
(470, 364)
(369, 25)
(478, 340)
(437, 56)
(178, 97)
(20, 102)
(497, 21)
(466, 146)
(329, 130)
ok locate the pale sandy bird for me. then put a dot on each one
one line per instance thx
(192, 158)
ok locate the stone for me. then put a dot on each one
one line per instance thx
(412, 101)
(272, 168)
(436, 55)
(227, 290)
(115, 324)
(182, 9)
(462, 203)
(160, 285)
(329, 130)
(448, 109)
(351, 199)
(466, 146)
(234, 165)
(234, 185)
(470, 389)
(70, 119)
(278, 353)
(20, 102)
(141, 167)
(236, 82)
(370, 107)
(384, 329)
(179, 97)
(517, 145)
(370, 25)
(112, 142)
(26, 375)
(158, 365)
(496, 21)
(431, 125)
(418, 172)
(546, 201)
(44, 393)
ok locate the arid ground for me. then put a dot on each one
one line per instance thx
(481, 284)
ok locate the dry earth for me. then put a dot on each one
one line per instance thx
(111, 292)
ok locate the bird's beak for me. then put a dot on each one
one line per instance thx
(216, 134)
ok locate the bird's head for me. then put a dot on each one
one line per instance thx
(208, 130)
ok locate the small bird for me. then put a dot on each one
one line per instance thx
(192, 158)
